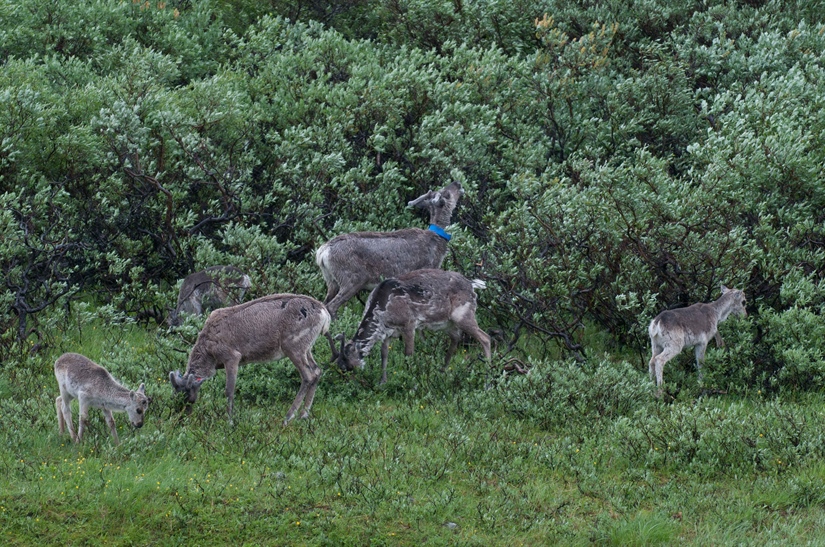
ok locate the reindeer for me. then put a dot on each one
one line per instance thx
(673, 330)
(81, 378)
(272, 327)
(360, 260)
(210, 289)
(428, 298)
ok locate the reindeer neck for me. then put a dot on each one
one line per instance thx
(118, 399)
(441, 217)
(369, 333)
(723, 306)
(200, 364)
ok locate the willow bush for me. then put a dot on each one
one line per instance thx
(618, 159)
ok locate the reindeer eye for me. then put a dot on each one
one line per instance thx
(140, 411)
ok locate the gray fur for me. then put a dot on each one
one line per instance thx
(360, 260)
(692, 327)
(269, 328)
(428, 298)
(210, 289)
(78, 377)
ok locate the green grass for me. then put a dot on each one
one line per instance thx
(568, 455)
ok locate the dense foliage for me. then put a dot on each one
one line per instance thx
(619, 158)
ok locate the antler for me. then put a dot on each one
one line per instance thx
(417, 201)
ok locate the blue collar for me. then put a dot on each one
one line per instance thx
(440, 231)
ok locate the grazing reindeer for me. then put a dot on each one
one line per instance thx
(361, 260)
(81, 378)
(673, 330)
(210, 289)
(433, 299)
(272, 327)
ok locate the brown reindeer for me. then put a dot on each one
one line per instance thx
(269, 328)
(78, 377)
(429, 298)
(674, 330)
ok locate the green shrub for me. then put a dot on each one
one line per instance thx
(560, 394)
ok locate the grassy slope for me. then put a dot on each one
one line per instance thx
(413, 462)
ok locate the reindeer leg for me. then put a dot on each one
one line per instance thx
(656, 350)
(408, 335)
(340, 299)
(308, 379)
(58, 404)
(466, 322)
(385, 350)
(110, 421)
(483, 339)
(66, 410)
(332, 292)
(231, 366)
(333, 351)
(315, 372)
(83, 418)
(455, 338)
(659, 365)
(700, 358)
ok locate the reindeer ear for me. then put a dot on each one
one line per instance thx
(174, 376)
(724, 289)
(141, 389)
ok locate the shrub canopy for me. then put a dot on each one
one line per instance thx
(619, 159)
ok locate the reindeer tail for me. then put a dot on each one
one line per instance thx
(655, 329)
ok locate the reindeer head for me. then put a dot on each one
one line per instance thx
(737, 301)
(138, 403)
(349, 356)
(440, 204)
(189, 384)
(173, 319)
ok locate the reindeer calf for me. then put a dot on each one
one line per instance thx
(272, 327)
(429, 298)
(80, 378)
(673, 330)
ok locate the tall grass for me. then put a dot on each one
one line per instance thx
(569, 454)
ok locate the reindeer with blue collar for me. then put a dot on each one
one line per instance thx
(357, 261)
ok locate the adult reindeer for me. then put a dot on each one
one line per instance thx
(429, 298)
(268, 328)
(673, 330)
(210, 289)
(361, 260)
